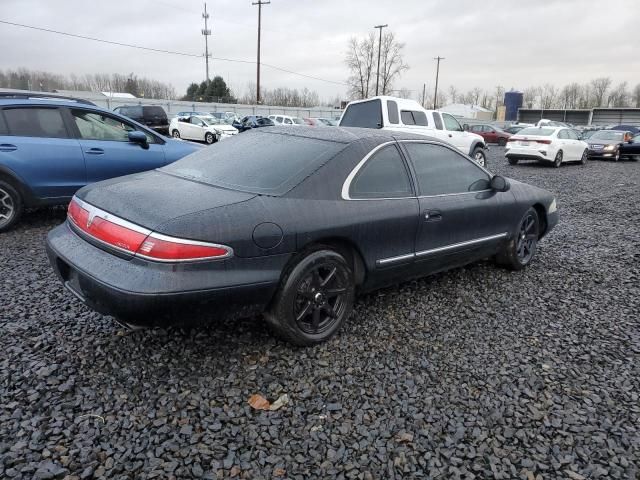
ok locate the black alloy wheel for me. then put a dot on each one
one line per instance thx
(315, 298)
(520, 249)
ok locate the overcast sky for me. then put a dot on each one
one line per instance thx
(486, 43)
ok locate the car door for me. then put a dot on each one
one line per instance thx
(40, 149)
(106, 147)
(578, 145)
(455, 133)
(460, 219)
(383, 203)
(564, 143)
(197, 128)
(490, 134)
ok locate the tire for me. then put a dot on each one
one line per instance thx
(558, 160)
(512, 161)
(11, 205)
(502, 142)
(585, 155)
(521, 249)
(209, 138)
(175, 134)
(314, 299)
(479, 156)
(616, 158)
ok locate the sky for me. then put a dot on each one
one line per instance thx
(485, 43)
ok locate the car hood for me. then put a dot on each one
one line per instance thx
(153, 198)
(222, 128)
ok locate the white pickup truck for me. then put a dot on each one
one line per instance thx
(402, 115)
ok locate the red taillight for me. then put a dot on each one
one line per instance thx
(123, 235)
(511, 139)
(168, 249)
(546, 142)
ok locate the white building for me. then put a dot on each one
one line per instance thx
(462, 110)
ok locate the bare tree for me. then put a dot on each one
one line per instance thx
(361, 60)
(529, 96)
(548, 96)
(636, 95)
(599, 87)
(391, 62)
(619, 96)
(453, 93)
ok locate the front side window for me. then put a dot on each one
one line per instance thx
(476, 128)
(97, 126)
(440, 170)
(382, 176)
(437, 120)
(35, 122)
(451, 123)
(3, 125)
(363, 114)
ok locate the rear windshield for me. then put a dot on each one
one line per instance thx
(131, 112)
(363, 114)
(154, 112)
(604, 135)
(543, 132)
(257, 162)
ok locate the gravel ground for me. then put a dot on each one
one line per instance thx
(476, 373)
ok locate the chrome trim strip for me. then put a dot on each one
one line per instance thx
(95, 211)
(399, 258)
(424, 253)
(455, 246)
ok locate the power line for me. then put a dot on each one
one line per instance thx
(160, 50)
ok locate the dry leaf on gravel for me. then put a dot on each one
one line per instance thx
(258, 402)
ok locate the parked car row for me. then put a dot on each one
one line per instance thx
(203, 128)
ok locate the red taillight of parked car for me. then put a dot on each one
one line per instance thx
(169, 249)
(100, 227)
(125, 236)
(545, 142)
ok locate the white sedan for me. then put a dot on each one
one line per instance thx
(553, 145)
(201, 128)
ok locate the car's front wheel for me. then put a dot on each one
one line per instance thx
(616, 157)
(502, 142)
(584, 157)
(209, 138)
(314, 299)
(512, 161)
(479, 156)
(10, 205)
(175, 134)
(519, 251)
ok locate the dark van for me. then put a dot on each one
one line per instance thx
(153, 116)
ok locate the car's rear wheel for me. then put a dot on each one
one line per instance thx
(512, 161)
(502, 142)
(314, 299)
(209, 138)
(558, 160)
(479, 156)
(584, 157)
(11, 205)
(175, 134)
(520, 250)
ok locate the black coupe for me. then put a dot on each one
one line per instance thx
(290, 223)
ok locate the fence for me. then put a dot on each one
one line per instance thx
(596, 116)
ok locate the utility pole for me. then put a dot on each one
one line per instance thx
(259, 3)
(379, 27)
(435, 95)
(206, 32)
(424, 93)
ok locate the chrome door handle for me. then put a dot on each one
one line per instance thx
(433, 216)
(95, 151)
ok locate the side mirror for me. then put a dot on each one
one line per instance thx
(465, 127)
(140, 138)
(500, 184)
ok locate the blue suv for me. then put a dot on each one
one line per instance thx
(50, 147)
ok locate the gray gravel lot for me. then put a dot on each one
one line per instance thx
(476, 373)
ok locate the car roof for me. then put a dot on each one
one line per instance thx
(48, 102)
(346, 134)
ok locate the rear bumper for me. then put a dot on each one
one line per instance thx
(148, 293)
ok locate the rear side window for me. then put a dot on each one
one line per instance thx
(3, 125)
(407, 117)
(35, 122)
(363, 114)
(437, 120)
(383, 176)
(392, 108)
(440, 170)
(154, 112)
